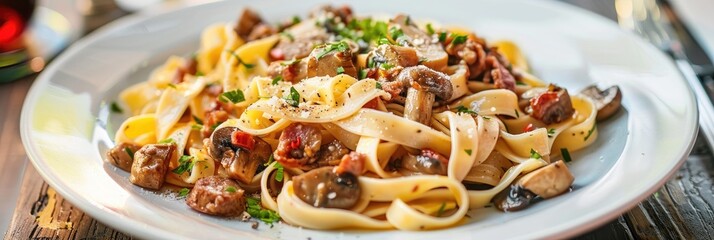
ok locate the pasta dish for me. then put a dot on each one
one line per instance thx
(338, 121)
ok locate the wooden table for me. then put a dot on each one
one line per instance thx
(682, 209)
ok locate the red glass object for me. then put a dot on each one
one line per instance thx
(14, 17)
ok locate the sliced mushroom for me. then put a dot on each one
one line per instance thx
(428, 48)
(331, 60)
(241, 162)
(122, 155)
(150, 165)
(330, 154)
(217, 196)
(427, 162)
(394, 55)
(552, 106)
(607, 101)
(546, 182)
(424, 87)
(332, 187)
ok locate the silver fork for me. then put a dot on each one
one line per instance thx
(652, 21)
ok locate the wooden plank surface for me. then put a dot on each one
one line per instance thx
(682, 209)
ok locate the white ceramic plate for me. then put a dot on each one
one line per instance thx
(65, 117)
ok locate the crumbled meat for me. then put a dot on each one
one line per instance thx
(552, 106)
(298, 145)
(217, 196)
(119, 155)
(150, 165)
(251, 27)
(498, 73)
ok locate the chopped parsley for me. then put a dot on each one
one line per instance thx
(183, 192)
(197, 120)
(197, 126)
(518, 115)
(185, 164)
(386, 66)
(128, 151)
(468, 151)
(462, 109)
(230, 189)
(378, 85)
(442, 37)
(280, 172)
(340, 46)
(551, 132)
(458, 39)
(429, 29)
(288, 62)
(340, 70)
(199, 74)
(255, 210)
(168, 140)
(234, 96)
(240, 61)
(296, 19)
(362, 74)
(383, 41)
(590, 132)
(441, 209)
(294, 97)
(171, 85)
(115, 108)
(270, 160)
(395, 33)
(535, 155)
(566, 154)
(277, 79)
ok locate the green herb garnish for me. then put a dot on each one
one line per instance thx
(296, 19)
(280, 172)
(566, 154)
(535, 155)
(442, 37)
(378, 85)
(168, 140)
(270, 160)
(551, 132)
(183, 192)
(288, 35)
(240, 61)
(429, 29)
(128, 151)
(294, 97)
(234, 96)
(185, 164)
(468, 151)
(458, 39)
(197, 120)
(115, 108)
(171, 85)
(340, 70)
(197, 126)
(395, 33)
(230, 189)
(383, 41)
(255, 210)
(386, 66)
(340, 46)
(441, 209)
(462, 109)
(362, 74)
(590, 132)
(518, 115)
(277, 79)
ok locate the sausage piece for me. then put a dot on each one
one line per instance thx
(120, 156)
(217, 196)
(298, 145)
(150, 165)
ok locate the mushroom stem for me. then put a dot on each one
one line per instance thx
(418, 106)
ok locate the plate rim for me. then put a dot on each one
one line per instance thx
(136, 228)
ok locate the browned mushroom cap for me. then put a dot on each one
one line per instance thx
(428, 48)
(331, 60)
(428, 162)
(220, 142)
(324, 188)
(242, 164)
(546, 182)
(607, 102)
(394, 55)
(424, 87)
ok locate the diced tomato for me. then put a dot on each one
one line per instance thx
(295, 144)
(529, 128)
(543, 101)
(243, 140)
(371, 104)
(276, 54)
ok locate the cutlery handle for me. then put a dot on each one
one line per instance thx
(704, 104)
